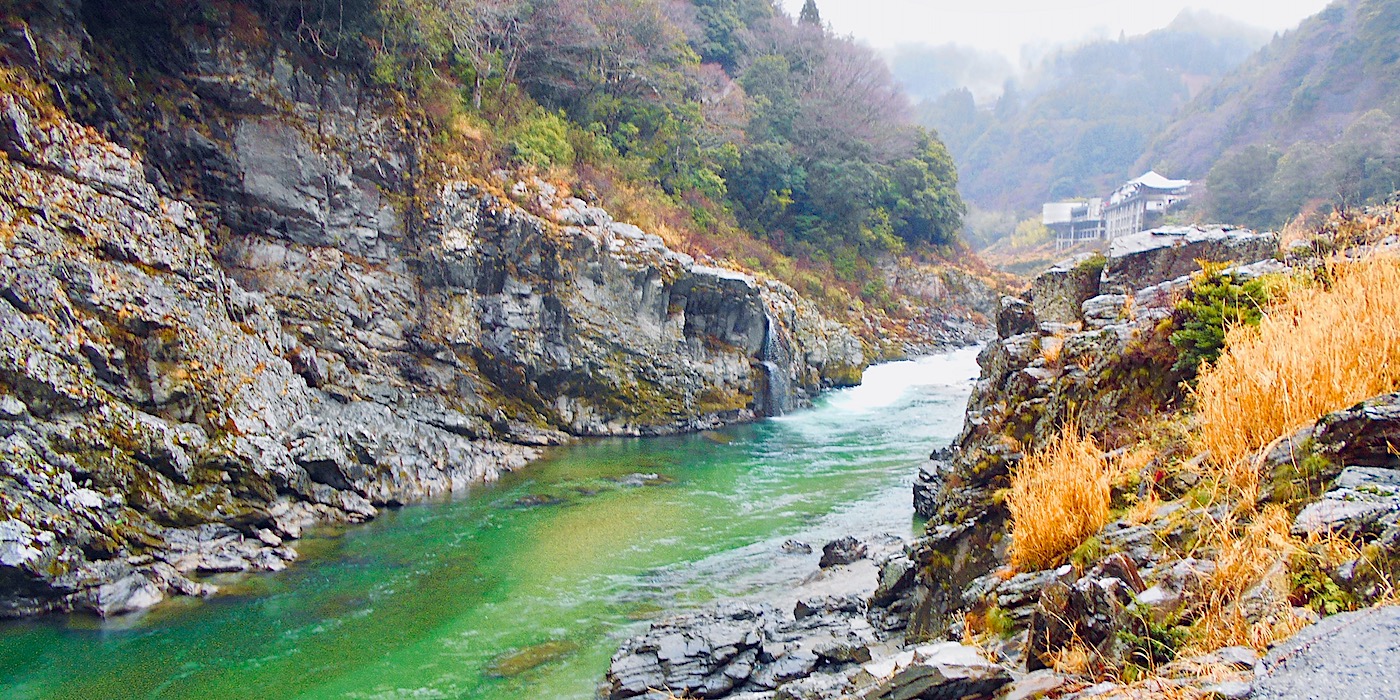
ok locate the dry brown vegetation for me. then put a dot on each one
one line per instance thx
(1059, 496)
(1324, 347)
(1251, 562)
(1327, 341)
(1075, 659)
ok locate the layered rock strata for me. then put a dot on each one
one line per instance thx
(177, 404)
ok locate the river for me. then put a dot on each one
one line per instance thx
(524, 588)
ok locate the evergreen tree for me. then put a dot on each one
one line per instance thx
(810, 15)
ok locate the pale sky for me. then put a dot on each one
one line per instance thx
(1007, 25)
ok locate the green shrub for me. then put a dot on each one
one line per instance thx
(542, 140)
(1215, 303)
(1092, 265)
(1000, 622)
(1313, 588)
(1149, 642)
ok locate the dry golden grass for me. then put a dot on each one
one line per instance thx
(1059, 496)
(1051, 348)
(1145, 510)
(1331, 548)
(1157, 689)
(1072, 660)
(1135, 460)
(1241, 560)
(1297, 229)
(1246, 558)
(1232, 627)
(1320, 349)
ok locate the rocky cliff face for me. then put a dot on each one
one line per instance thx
(275, 317)
(1085, 343)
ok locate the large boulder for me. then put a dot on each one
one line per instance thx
(1058, 293)
(947, 671)
(1151, 257)
(844, 550)
(736, 648)
(1092, 610)
(703, 655)
(1364, 434)
(1014, 317)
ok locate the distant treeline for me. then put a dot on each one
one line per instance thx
(1078, 123)
(1309, 123)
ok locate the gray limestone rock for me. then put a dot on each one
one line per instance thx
(929, 482)
(1151, 257)
(1014, 317)
(1058, 294)
(732, 649)
(1363, 434)
(701, 654)
(1091, 610)
(948, 671)
(1034, 685)
(1105, 310)
(1363, 501)
(818, 686)
(842, 551)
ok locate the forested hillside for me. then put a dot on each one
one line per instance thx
(730, 128)
(1076, 124)
(1306, 123)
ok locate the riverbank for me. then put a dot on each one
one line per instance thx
(1164, 472)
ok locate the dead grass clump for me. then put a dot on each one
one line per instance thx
(1072, 660)
(1243, 559)
(1059, 496)
(1051, 349)
(1332, 548)
(1322, 348)
(1144, 510)
(1249, 560)
(1235, 627)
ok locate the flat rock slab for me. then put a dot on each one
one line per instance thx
(1363, 500)
(1351, 656)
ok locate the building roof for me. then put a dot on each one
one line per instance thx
(1147, 181)
(1157, 182)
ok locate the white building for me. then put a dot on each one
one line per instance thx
(1140, 204)
(1074, 222)
(1137, 205)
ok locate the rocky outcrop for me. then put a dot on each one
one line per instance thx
(1086, 340)
(742, 648)
(943, 306)
(147, 398)
(1057, 294)
(1152, 257)
(1136, 588)
(834, 635)
(1345, 467)
(842, 551)
(175, 403)
(824, 652)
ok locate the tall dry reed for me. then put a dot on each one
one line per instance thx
(1322, 348)
(1060, 495)
(1246, 557)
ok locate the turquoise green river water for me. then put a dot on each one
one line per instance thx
(524, 588)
